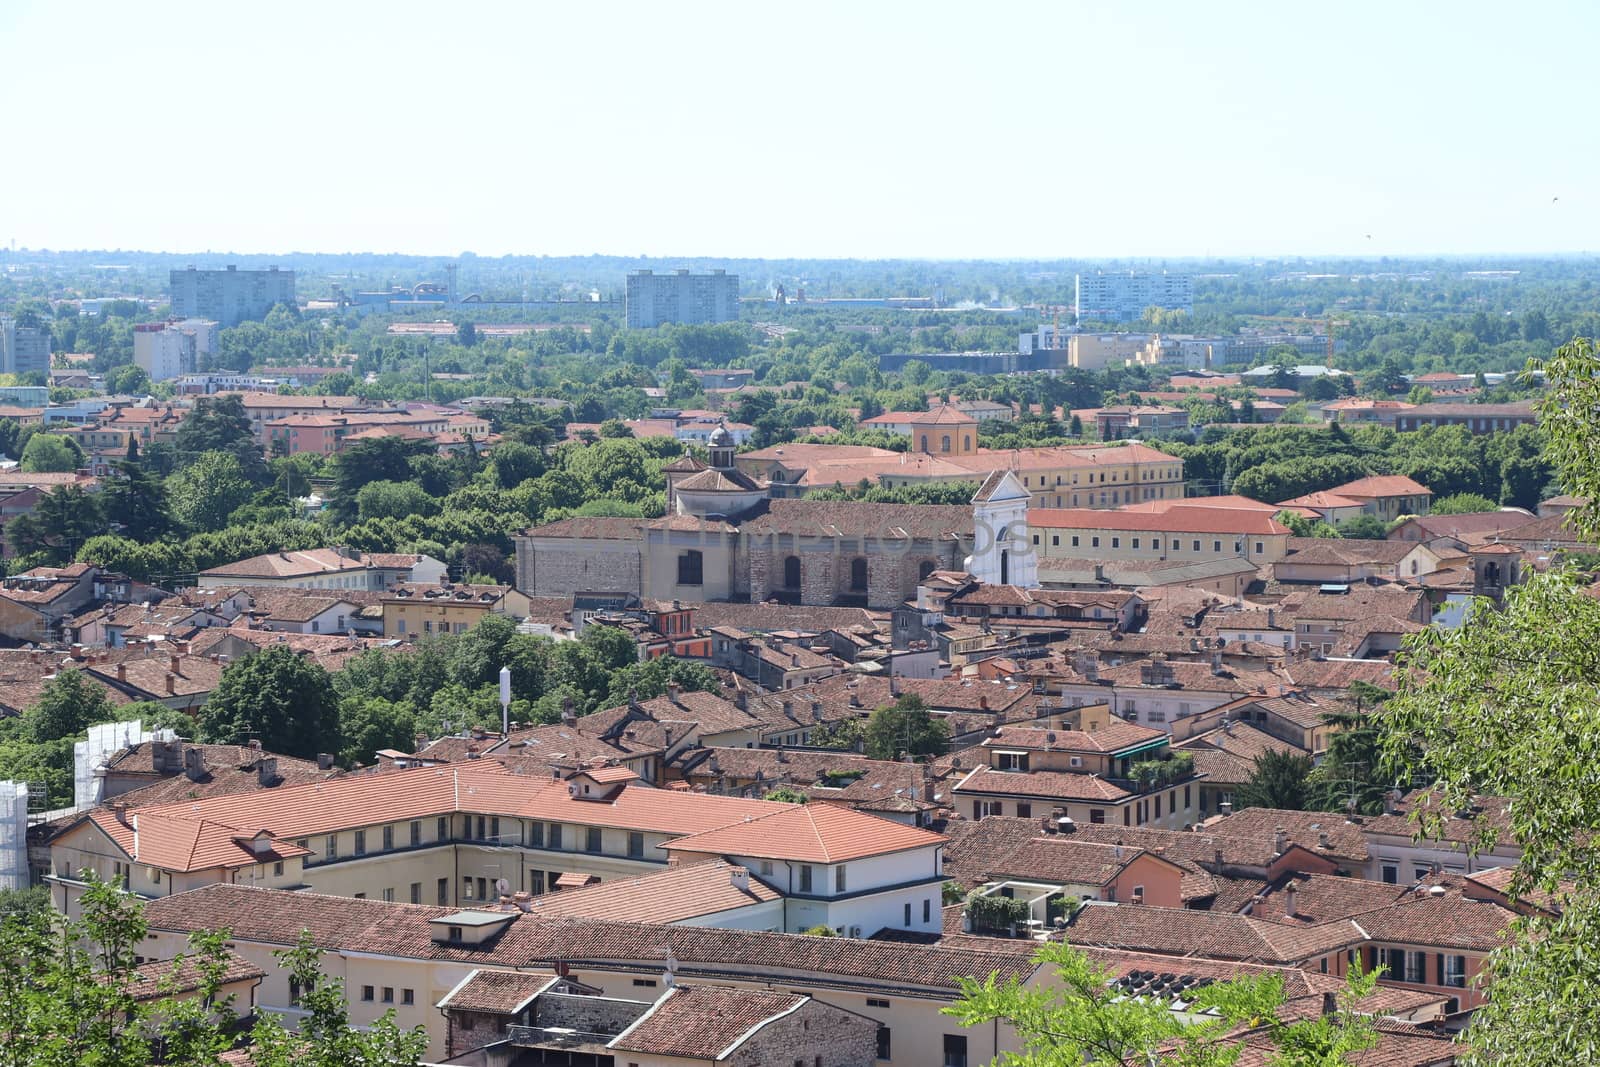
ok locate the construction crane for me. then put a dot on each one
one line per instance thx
(1327, 323)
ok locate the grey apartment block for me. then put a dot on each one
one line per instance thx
(230, 296)
(681, 297)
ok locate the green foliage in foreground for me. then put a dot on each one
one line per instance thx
(67, 999)
(1080, 1020)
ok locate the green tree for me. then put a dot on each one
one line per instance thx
(1368, 527)
(1462, 504)
(1508, 705)
(786, 795)
(286, 702)
(372, 723)
(845, 735)
(48, 452)
(135, 503)
(68, 704)
(58, 526)
(905, 727)
(1083, 1020)
(210, 489)
(129, 379)
(394, 500)
(1278, 781)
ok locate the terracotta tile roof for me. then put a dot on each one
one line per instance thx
(1346, 551)
(276, 917)
(175, 843)
(1186, 932)
(1064, 859)
(839, 518)
(705, 1022)
(1358, 603)
(975, 843)
(1346, 840)
(303, 563)
(1319, 500)
(1116, 736)
(765, 618)
(1486, 814)
(677, 894)
(496, 992)
(1445, 920)
(153, 674)
(1047, 785)
(809, 833)
(592, 528)
(162, 978)
(1236, 521)
(1382, 485)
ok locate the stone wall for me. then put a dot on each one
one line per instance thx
(840, 1038)
(563, 566)
(893, 569)
(588, 1014)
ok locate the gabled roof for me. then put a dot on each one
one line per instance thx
(705, 1022)
(1382, 485)
(809, 833)
(1000, 485)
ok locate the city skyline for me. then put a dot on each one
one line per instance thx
(896, 132)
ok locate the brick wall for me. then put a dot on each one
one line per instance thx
(561, 567)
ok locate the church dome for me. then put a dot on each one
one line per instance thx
(720, 438)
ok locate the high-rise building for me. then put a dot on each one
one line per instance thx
(1123, 297)
(230, 296)
(168, 349)
(23, 348)
(681, 297)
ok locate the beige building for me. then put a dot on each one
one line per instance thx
(410, 609)
(1189, 534)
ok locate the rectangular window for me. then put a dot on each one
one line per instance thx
(875, 1002)
(466, 887)
(884, 1046)
(955, 1050)
(361, 842)
(388, 895)
(1116, 542)
(1135, 542)
(444, 892)
(1216, 546)
(367, 992)
(408, 996)
(635, 845)
(1024, 811)
(927, 909)
(1074, 540)
(805, 878)
(388, 994)
(480, 835)
(416, 892)
(691, 568)
(838, 879)
(907, 922)
(592, 839)
(277, 869)
(536, 835)
(1094, 542)
(1197, 546)
(555, 835)
(1455, 971)
(494, 827)
(1416, 967)
(1055, 539)
(416, 832)
(388, 839)
(443, 829)
(483, 889)
(333, 846)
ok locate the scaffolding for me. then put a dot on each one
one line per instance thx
(89, 757)
(14, 835)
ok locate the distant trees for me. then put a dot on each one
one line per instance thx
(278, 697)
(1462, 504)
(1278, 781)
(65, 518)
(48, 452)
(905, 727)
(209, 490)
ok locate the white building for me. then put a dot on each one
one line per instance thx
(167, 350)
(23, 348)
(681, 297)
(230, 296)
(1123, 297)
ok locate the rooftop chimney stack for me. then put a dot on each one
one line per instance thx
(739, 878)
(267, 771)
(194, 764)
(1280, 841)
(1289, 894)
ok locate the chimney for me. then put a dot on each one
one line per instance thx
(1225, 807)
(1322, 840)
(741, 701)
(1391, 801)
(1216, 859)
(739, 878)
(672, 693)
(1216, 663)
(523, 900)
(122, 672)
(1272, 618)
(1330, 1004)
(172, 686)
(983, 702)
(569, 717)
(633, 699)
(121, 812)
(420, 741)
(175, 665)
(267, 771)
(816, 710)
(194, 764)
(324, 761)
(1280, 841)
(1289, 894)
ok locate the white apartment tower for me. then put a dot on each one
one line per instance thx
(230, 296)
(681, 297)
(168, 350)
(1123, 297)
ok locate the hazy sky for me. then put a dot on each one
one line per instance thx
(977, 129)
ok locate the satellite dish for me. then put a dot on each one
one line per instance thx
(502, 886)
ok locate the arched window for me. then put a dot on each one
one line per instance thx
(791, 572)
(924, 442)
(966, 443)
(1005, 566)
(925, 568)
(691, 567)
(944, 443)
(858, 575)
